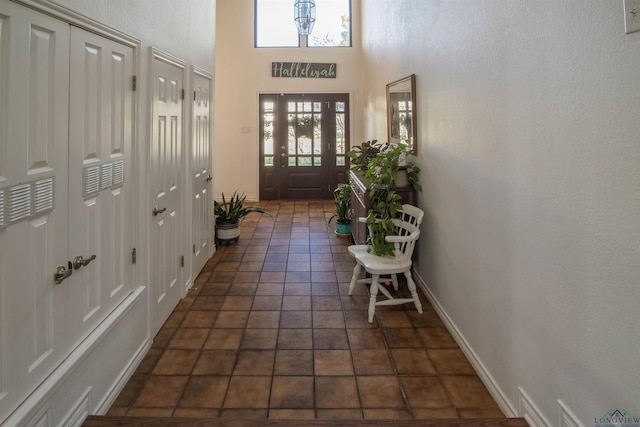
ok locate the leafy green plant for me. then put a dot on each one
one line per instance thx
(383, 167)
(342, 198)
(361, 155)
(234, 210)
(385, 201)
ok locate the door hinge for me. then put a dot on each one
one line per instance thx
(181, 260)
(328, 187)
(134, 83)
(182, 94)
(133, 256)
(194, 95)
(194, 248)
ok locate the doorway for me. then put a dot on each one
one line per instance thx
(304, 139)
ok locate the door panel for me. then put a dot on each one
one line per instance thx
(166, 167)
(100, 199)
(303, 144)
(201, 170)
(34, 83)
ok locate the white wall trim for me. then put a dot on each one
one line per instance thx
(483, 373)
(79, 412)
(72, 17)
(566, 417)
(528, 409)
(39, 400)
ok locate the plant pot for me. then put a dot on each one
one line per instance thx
(401, 178)
(227, 231)
(343, 229)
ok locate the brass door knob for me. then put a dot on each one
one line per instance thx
(81, 262)
(61, 273)
(157, 211)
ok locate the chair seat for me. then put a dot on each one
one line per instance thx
(406, 232)
(382, 265)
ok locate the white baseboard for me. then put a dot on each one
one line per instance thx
(529, 410)
(566, 418)
(485, 376)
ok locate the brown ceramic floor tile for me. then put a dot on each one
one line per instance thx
(296, 302)
(270, 289)
(372, 362)
(380, 392)
(259, 339)
(333, 362)
(336, 393)
(441, 413)
(467, 391)
(328, 319)
(189, 338)
(130, 391)
(199, 319)
(150, 412)
(237, 302)
(248, 392)
(231, 319)
(263, 319)
(149, 361)
(267, 302)
(254, 362)
(480, 413)
(402, 338)
(204, 392)
(328, 339)
(412, 361)
(321, 302)
(215, 362)
(366, 338)
(292, 414)
(207, 302)
(436, 338)
(176, 362)
(161, 392)
(196, 413)
(224, 339)
(292, 392)
(295, 319)
(295, 339)
(425, 392)
(294, 362)
(451, 361)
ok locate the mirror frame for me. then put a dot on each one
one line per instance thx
(406, 87)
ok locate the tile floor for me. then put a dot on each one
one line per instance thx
(269, 332)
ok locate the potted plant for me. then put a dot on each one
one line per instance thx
(361, 155)
(342, 198)
(382, 179)
(228, 215)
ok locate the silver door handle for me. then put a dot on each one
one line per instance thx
(157, 211)
(81, 262)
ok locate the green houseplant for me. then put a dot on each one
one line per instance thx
(342, 199)
(361, 155)
(381, 178)
(229, 213)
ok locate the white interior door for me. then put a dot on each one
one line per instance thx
(166, 172)
(201, 184)
(34, 84)
(100, 186)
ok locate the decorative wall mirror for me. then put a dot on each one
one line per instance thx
(401, 110)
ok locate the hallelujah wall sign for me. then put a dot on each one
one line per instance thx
(310, 70)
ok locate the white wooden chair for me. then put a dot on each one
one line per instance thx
(408, 230)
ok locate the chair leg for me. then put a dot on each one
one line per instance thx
(354, 278)
(394, 279)
(372, 299)
(412, 287)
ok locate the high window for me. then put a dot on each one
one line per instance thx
(274, 25)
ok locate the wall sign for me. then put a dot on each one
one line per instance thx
(310, 70)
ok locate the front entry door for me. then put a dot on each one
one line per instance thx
(304, 139)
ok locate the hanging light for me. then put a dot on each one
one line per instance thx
(304, 13)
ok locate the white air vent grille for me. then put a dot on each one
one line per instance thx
(43, 195)
(106, 179)
(19, 202)
(91, 180)
(118, 172)
(2, 223)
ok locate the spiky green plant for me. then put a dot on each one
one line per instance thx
(234, 210)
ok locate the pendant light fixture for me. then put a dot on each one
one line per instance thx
(304, 13)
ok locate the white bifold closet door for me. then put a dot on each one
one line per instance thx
(65, 191)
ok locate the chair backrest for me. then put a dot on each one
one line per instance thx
(407, 231)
